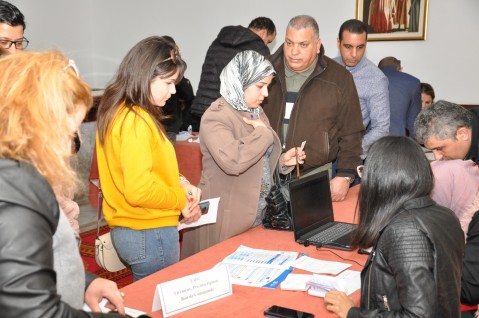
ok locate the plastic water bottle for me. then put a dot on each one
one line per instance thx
(190, 130)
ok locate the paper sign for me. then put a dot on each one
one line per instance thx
(208, 218)
(192, 291)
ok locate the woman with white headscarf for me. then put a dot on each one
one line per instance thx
(240, 152)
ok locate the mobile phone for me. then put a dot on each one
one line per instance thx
(283, 312)
(204, 207)
(363, 251)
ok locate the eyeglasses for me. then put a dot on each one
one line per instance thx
(174, 55)
(360, 170)
(19, 45)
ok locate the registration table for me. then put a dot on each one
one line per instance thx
(249, 301)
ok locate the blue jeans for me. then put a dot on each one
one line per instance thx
(147, 251)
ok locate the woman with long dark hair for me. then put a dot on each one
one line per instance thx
(414, 269)
(144, 193)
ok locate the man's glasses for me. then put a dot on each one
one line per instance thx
(19, 44)
(174, 55)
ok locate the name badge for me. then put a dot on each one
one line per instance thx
(192, 291)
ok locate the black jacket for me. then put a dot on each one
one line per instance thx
(230, 41)
(474, 150)
(415, 268)
(470, 268)
(177, 106)
(29, 216)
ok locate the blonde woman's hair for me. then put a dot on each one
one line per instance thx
(39, 93)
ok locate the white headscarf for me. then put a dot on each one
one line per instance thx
(245, 69)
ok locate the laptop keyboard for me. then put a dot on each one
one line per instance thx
(332, 233)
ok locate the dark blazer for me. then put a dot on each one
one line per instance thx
(470, 270)
(404, 100)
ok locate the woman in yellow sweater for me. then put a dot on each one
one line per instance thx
(143, 191)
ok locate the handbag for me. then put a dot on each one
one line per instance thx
(277, 213)
(105, 254)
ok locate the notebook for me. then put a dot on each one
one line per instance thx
(313, 218)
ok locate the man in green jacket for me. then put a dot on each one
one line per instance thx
(314, 99)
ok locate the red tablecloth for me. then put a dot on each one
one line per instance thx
(249, 301)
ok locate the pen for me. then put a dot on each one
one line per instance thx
(297, 163)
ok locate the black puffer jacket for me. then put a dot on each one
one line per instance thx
(415, 268)
(230, 41)
(28, 219)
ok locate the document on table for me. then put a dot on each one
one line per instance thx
(208, 218)
(348, 282)
(320, 267)
(129, 311)
(296, 282)
(259, 268)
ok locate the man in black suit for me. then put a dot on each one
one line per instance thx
(404, 97)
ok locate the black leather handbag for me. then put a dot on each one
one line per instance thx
(277, 213)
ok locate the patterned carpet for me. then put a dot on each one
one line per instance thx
(87, 252)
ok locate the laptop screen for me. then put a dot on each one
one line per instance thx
(311, 204)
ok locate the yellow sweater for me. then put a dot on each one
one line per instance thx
(139, 174)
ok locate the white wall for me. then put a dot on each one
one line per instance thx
(98, 33)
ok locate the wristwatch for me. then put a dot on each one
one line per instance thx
(350, 180)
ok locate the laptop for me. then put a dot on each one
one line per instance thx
(312, 212)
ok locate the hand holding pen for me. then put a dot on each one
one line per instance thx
(293, 156)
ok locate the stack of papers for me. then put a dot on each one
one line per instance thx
(296, 282)
(259, 268)
(347, 281)
(129, 311)
(320, 267)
